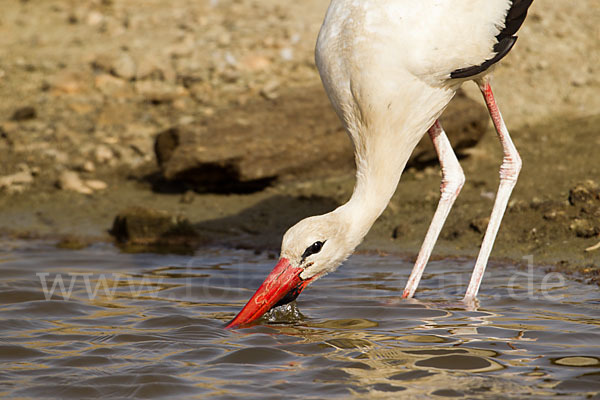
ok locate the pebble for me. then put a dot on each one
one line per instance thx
(103, 154)
(94, 18)
(65, 82)
(270, 90)
(255, 62)
(110, 85)
(88, 166)
(124, 67)
(584, 228)
(96, 184)
(287, 54)
(69, 180)
(584, 192)
(24, 113)
(159, 91)
(17, 182)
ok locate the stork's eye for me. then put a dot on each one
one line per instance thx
(313, 249)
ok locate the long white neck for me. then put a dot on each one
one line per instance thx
(385, 120)
(377, 176)
(382, 149)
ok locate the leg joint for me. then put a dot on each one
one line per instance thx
(452, 182)
(510, 168)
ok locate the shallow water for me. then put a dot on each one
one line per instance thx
(150, 326)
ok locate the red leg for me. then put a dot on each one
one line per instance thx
(509, 172)
(452, 182)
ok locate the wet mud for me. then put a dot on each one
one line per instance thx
(84, 102)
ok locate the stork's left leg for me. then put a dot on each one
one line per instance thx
(509, 172)
(453, 180)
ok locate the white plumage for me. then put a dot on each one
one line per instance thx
(390, 68)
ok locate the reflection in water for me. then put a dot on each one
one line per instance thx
(98, 323)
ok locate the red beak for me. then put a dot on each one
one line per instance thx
(282, 286)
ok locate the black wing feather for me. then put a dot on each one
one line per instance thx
(506, 39)
(515, 18)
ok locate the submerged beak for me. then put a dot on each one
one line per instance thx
(282, 286)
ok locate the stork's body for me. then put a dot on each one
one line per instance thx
(390, 68)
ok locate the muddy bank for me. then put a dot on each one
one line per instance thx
(554, 214)
(87, 89)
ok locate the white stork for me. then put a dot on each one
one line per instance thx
(390, 68)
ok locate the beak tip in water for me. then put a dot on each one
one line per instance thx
(282, 286)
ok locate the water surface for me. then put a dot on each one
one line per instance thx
(100, 323)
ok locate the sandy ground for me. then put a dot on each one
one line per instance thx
(87, 86)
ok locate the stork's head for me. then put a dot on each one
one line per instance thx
(310, 249)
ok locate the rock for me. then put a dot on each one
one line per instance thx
(24, 114)
(59, 157)
(17, 182)
(159, 91)
(140, 225)
(585, 193)
(255, 62)
(584, 228)
(67, 82)
(103, 154)
(69, 180)
(111, 86)
(270, 90)
(124, 66)
(94, 18)
(95, 184)
(271, 139)
(555, 215)
(88, 166)
(121, 65)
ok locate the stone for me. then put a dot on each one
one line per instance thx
(103, 154)
(69, 180)
(139, 225)
(124, 66)
(270, 90)
(255, 62)
(584, 193)
(112, 86)
(159, 91)
(17, 182)
(121, 65)
(67, 82)
(94, 18)
(24, 113)
(584, 228)
(95, 184)
(88, 166)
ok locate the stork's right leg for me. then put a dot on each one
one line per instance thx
(453, 180)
